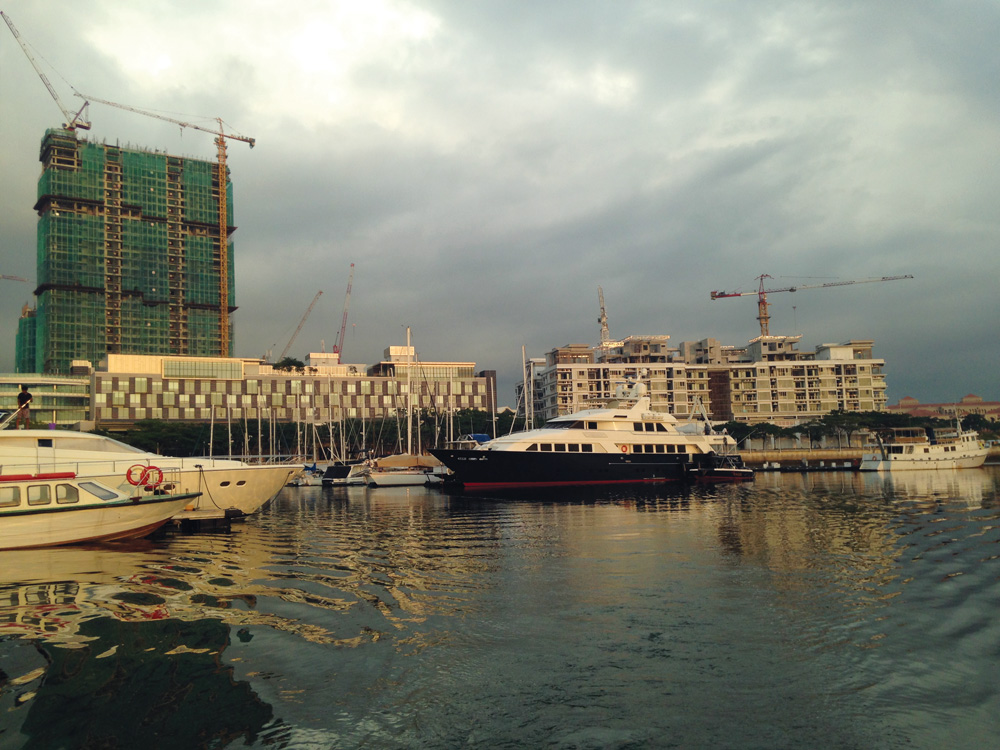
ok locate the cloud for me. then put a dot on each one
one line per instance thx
(488, 165)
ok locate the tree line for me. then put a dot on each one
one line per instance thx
(844, 425)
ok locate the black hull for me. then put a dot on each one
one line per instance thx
(495, 469)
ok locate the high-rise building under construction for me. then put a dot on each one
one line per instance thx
(133, 256)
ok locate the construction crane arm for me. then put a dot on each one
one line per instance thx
(11, 278)
(719, 295)
(762, 304)
(73, 122)
(339, 345)
(301, 323)
(182, 123)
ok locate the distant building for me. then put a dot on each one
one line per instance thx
(768, 380)
(970, 404)
(129, 388)
(133, 257)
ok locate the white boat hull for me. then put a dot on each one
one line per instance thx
(224, 484)
(399, 478)
(875, 462)
(74, 525)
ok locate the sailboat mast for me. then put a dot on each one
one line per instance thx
(409, 396)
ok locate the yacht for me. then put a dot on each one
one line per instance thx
(914, 448)
(622, 440)
(224, 484)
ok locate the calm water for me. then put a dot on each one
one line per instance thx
(828, 610)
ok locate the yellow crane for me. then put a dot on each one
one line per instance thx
(73, 121)
(220, 141)
(762, 304)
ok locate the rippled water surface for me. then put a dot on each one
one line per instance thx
(824, 610)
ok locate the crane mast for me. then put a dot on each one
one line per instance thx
(338, 347)
(764, 318)
(603, 319)
(301, 323)
(220, 142)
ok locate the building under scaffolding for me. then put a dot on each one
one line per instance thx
(128, 256)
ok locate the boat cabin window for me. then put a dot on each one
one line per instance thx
(66, 494)
(10, 497)
(39, 494)
(546, 448)
(44, 442)
(95, 489)
(591, 425)
(586, 448)
(532, 447)
(560, 448)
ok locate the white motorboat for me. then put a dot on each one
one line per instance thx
(405, 471)
(53, 508)
(916, 448)
(223, 484)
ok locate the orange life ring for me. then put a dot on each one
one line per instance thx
(624, 449)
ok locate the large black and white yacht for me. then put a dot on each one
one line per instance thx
(622, 440)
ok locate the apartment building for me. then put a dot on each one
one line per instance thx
(768, 380)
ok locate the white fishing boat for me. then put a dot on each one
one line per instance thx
(916, 448)
(223, 484)
(54, 508)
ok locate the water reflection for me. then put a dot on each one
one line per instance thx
(820, 609)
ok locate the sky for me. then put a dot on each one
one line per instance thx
(488, 165)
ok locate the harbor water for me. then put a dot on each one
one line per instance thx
(819, 610)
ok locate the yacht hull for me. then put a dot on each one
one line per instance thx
(487, 469)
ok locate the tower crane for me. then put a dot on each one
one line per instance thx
(220, 141)
(338, 346)
(11, 278)
(603, 319)
(301, 323)
(73, 121)
(762, 304)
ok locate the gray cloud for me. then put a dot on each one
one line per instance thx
(487, 166)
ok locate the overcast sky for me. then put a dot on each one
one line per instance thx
(488, 165)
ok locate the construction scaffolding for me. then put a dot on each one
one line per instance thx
(129, 257)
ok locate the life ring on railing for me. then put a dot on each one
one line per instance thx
(144, 476)
(624, 449)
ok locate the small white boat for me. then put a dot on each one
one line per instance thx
(55, 508)
(405, 471)
(915, 448)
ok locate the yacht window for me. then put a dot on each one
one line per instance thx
(66, 494)
(44, 442)
(546, 448)
(586, 448)
(637, 427)
(573, 448)
(660, 427)
(660, 448)
(10, 497)
(591, 425)
(560, 448)
(95, 489)
(532, 447)
(671, 449)
(39, 494)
